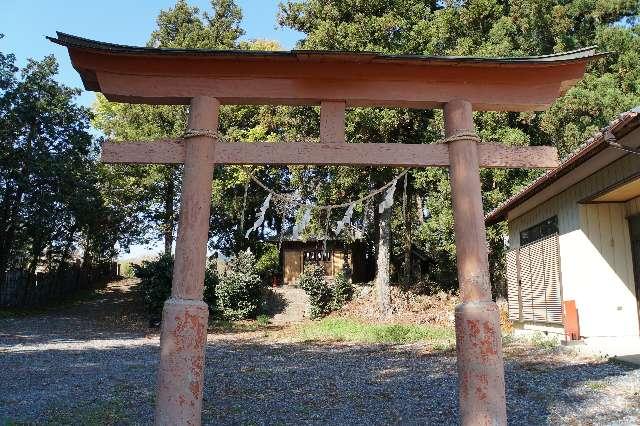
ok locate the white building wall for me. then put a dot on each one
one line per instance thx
(595, 251)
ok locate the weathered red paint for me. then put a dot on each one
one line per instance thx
(480, 364)
(184, 318)
(478, 339)
(180, 374)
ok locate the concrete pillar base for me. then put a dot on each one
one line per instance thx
(181, 372)
(480, 365)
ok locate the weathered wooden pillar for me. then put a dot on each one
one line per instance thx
(184, 319)
(481, 387)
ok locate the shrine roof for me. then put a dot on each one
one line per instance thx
(298, 77)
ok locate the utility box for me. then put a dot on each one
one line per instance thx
(570, 319)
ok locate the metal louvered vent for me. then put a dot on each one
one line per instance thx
(513, 287)
(533, 282)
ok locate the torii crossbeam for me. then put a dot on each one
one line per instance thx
(204, 79)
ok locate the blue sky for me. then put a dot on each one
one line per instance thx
(25, 23)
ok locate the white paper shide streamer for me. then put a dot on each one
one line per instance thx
(299, 226)
(260, 215)
(388, 197)
(346, 219)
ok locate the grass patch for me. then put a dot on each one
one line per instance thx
(263, 320)
(596, 386)
(342, 329)
(226, 326)
(542, 341)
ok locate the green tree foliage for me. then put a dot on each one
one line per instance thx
(239, 291)
(269, 263)
(478, 28)
(156, 189)
(51, 201)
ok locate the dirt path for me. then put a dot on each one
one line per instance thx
(95, 363)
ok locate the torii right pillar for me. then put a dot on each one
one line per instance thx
(481, 388)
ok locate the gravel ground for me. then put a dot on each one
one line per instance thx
(94, 362)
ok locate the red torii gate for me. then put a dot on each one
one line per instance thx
(204, 79)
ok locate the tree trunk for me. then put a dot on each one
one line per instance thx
(7, 234)
(382, 273)
(169, 212)
(408, 244)
(66, 252)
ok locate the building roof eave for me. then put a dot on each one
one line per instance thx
(623, 124)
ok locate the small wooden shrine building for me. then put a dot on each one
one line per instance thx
(334, 256)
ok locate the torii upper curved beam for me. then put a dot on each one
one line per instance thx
(300, 77)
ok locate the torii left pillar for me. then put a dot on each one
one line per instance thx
(184, 318)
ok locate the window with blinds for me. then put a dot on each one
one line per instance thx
(533, 281)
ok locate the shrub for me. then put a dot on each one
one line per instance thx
(269, 262)
(263, 320)
(238, 292)
(320, 293)
(342, 288)
(155, 282)
(211, 282)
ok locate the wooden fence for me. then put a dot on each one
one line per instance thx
(21, 289)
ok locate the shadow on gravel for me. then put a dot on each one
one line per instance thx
(284, 383)
(274, 302)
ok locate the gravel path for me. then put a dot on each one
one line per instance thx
(94, 363)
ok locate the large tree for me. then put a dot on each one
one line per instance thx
(181, 26)
(157, 187)
(50, 201)
(478, 28)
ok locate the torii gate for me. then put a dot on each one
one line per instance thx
(204, 79)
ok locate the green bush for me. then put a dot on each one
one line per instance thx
(342, 289)
(155, 282)
(238, 292)
(324, 296)
(269, 262)
(320, 293)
